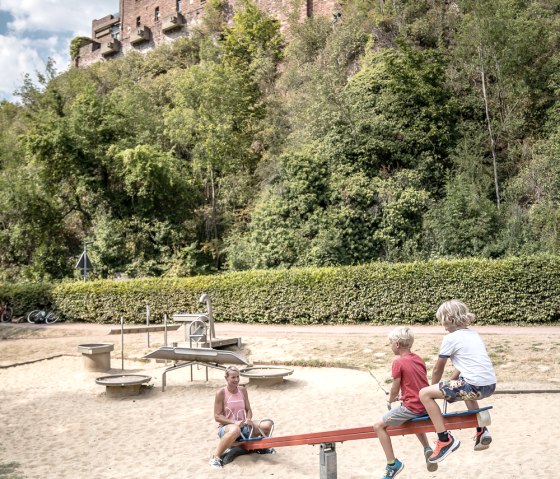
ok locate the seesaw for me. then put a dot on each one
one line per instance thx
(328, 439)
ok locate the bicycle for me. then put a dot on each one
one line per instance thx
(6, 313)
(41, 316)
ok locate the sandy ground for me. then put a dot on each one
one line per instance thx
(56, 422)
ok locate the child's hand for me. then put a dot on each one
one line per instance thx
(388, 405)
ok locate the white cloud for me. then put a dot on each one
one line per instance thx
(40, 29)
(56, 15)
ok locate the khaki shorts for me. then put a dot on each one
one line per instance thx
(399, 415)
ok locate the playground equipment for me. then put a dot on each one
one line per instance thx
(120, 385)
(199, 327)
(206, 357)
(215, 358)
(96, 357)
(328, 439)
(265, 375)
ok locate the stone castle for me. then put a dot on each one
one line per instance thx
(141, 25)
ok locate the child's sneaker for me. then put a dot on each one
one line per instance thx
(392, 471)
(482, 440)
(443, 449)
(432, 467)
(216, 463)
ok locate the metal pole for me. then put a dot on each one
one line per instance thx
(122, 343)
(210, 317)
(328, 461)
(148, 322)
(85, 261)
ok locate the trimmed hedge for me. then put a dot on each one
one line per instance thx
(515, 290)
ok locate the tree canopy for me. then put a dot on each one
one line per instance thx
(403, 131)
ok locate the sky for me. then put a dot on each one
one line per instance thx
(32, 31)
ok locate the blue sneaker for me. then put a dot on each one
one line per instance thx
(432, 467)
(392, 471)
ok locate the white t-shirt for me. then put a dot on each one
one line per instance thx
(468, 354)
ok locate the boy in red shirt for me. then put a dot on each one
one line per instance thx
(409, 376)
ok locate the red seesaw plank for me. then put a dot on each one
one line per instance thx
(452, 421)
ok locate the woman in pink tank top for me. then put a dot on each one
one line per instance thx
(232, 412)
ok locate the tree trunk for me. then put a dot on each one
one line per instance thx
(492, 142)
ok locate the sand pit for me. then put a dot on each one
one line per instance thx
(58, 423)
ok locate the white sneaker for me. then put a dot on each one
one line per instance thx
(482, 440)
(216, 463)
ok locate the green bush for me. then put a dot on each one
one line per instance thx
(516, 290)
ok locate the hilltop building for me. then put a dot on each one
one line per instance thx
(143, 24)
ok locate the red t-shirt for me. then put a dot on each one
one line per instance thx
(412, 372)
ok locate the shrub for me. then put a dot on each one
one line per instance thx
(515, 290)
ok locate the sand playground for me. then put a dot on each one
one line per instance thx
(57, 423)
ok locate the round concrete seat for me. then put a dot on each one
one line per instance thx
(265, 375)
(119, 385)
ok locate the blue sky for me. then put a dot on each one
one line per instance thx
(31, 31)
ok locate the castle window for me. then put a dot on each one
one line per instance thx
(178, 6)
(138, 22)
(156, 14)
(116, 31)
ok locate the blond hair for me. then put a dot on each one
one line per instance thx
(402, 335)
(231, 368)
(456, 312)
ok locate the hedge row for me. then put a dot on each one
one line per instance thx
(516, 290)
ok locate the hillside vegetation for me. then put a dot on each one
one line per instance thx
(405, 131)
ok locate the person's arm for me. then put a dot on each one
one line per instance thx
(219, 407)
(437, 372)
(395, 389)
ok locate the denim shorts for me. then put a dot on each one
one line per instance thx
(399, 415)
(245, 432)
(460, 390)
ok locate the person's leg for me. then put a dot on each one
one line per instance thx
(423, 440)
(428, 396)
(446, 442)
(428, 451)
(394, 417)
(262, 428)
(482, 438)
(230, 433)
(385, 440)
(471, 404)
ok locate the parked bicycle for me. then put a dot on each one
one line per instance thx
(6, 313)
(41, 316)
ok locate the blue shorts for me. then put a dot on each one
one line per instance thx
(245, 432)
(460, 390)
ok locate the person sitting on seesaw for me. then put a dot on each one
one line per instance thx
(409, 376)
(473, 379)
(232, 412)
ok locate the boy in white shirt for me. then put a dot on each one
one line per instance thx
(473, 379)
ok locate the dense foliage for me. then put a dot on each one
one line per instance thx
(404, 131)
(514, 290)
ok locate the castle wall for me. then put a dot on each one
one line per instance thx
(143, 24)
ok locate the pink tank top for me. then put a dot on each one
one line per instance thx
(234, 405)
